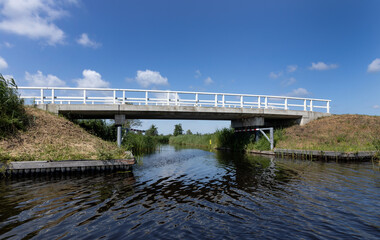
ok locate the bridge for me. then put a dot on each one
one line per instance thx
(243, 110)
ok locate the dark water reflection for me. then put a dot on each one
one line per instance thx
(197, 194)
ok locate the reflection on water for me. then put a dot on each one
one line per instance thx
(193, 193)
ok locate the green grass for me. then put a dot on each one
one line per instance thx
(226, 138)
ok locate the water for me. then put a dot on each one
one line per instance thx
(197, 194)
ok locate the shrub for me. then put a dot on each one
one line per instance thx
(12, 113)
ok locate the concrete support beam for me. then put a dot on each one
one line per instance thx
(119, 121)
(118, 136)
(248, 122)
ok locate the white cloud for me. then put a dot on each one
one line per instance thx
(374, 66)
(34, 18)
(148, 77)
(198, 74)
(376, 106)
(7, 44)
(321, 66)
(289, 81)
(8, 77)
(208, 81)
(291, 68)
(275, 75)
(41, 80)
(299, 92)
(91, 79)
(84, 40)
(3, 64)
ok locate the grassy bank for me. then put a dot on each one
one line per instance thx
(340, 133)
(50, 137)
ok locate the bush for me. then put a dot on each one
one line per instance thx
(13, 116)
(99, 128)
(138, 143)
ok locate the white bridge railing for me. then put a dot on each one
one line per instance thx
(65, 95)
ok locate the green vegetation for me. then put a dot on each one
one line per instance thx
(12, 113)
(226, 139)
(341, 133)
(99, 128)
(152, 131)
(178, 130)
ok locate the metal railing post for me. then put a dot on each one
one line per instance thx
(52, 96)
(176, 99)
(286, 104)
(216, 100)
(328, 106)
(196, 99)
(304, 104)
(311, 105)
(241, 101)
(146, 97)
(42, 96)
(223, 101)
(84, 96)
(259, 102)
(114, 96)
(123, 97)
(168, 98)
(266, 102)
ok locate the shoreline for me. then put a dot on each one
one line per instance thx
(31, 168)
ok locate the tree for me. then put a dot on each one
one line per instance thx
(152, 131)
(178, 130)
(188, 132)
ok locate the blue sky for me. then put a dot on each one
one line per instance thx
(321, 49)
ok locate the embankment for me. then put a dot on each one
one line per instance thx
(337, 135)
(50, 137)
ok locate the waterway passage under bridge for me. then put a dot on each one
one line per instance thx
(197, 194)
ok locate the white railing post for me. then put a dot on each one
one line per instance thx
(223, 100)
(42, 96)
(176, 99)
(304, 104)
(286, 104)
(146, 97)
(168, 98)
(216, 100)
(52, 96)
(328, 106)
(241, 101)
(84, 96)
(266, 102)
(259, 102)
(114, 96)
(123, 97)
(311, 105)
(196, 99)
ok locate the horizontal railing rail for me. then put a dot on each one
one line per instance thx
(66, 95)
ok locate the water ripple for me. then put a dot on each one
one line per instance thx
(195, 194)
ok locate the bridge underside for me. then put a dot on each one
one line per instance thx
(270, 117)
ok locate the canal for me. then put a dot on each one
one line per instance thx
(185, 193)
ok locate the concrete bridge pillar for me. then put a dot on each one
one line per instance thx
(119, 121)
(248, 122)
